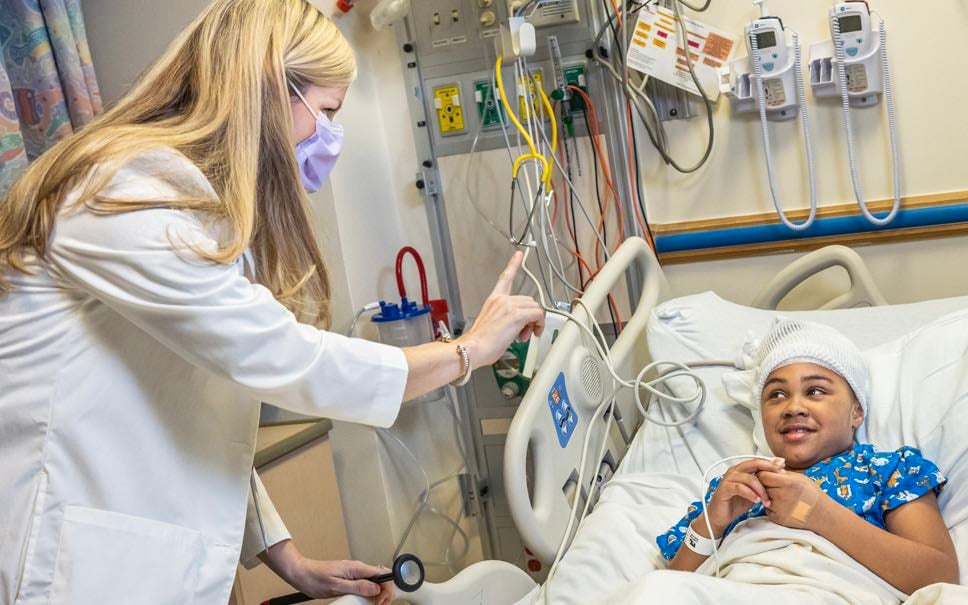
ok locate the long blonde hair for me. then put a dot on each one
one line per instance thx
(218, 96)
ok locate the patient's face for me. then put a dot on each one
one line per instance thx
(809, 414)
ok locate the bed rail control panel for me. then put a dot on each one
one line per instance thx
(563, 415)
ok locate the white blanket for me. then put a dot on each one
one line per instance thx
(765, 562)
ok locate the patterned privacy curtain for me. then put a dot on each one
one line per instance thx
(47, 83)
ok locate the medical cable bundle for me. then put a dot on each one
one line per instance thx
(635, 93)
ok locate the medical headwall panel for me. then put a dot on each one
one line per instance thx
(453, 48)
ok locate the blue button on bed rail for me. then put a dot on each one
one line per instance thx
(563, 415)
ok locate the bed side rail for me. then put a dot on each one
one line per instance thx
(863, 292)
(572, 380)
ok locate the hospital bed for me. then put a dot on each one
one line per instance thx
(647, 474)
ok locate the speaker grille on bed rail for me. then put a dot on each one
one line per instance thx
(591, 379)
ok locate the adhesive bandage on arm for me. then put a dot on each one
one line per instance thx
(801, 511)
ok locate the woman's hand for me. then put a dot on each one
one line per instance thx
(738, 491)
(325, 579)
(502, 319)
(794, 499)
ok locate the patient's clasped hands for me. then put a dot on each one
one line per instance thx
(738, 491)
(791, 499)
(795, 499)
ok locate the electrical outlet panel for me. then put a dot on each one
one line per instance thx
(440, 52)
(444, 22)
(489, 108)
(542, 13)
(575, 76)
(450, 115)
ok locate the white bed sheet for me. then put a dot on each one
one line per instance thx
(657, 479)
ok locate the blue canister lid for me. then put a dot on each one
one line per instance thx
(394, 312)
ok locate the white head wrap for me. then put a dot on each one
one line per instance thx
(794, 341)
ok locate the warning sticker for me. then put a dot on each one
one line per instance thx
(774, 93)
(564, 416)
(657, 52)
(856, 77)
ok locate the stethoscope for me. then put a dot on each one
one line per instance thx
(407, 574)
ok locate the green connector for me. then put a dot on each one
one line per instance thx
(575, 76)
(507, 371)
(488, 105)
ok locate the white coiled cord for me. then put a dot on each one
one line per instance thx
(848, 122)
(808, 139)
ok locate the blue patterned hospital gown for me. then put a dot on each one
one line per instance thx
(866, 481)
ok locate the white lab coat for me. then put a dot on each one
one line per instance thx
(130, 382)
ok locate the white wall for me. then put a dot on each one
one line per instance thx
(126, 37)
(926, 65)
(926, 68)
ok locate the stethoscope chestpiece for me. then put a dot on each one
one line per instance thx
(407, 573)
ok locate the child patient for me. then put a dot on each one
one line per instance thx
(880, 508)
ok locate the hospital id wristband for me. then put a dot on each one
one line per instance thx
(699, 544)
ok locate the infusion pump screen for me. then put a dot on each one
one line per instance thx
(852, 23)
(765, 40)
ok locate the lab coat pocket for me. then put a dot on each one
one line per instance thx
(108, 558)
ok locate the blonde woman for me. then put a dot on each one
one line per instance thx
(159, 277)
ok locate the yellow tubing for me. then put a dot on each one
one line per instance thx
(554, 132)
(530, 156)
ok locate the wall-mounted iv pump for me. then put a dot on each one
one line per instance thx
(770, 80)
(853, 65)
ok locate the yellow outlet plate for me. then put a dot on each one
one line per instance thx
(536, 100)
(450, 113)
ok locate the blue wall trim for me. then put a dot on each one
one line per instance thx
(823, 227)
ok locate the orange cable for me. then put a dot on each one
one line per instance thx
(618, 13)
(595, 131)
(577, 253)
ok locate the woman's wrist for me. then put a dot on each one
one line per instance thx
(299, 574)
(286, 561)
(473, 351)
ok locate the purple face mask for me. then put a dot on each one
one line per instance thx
(318, 153)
